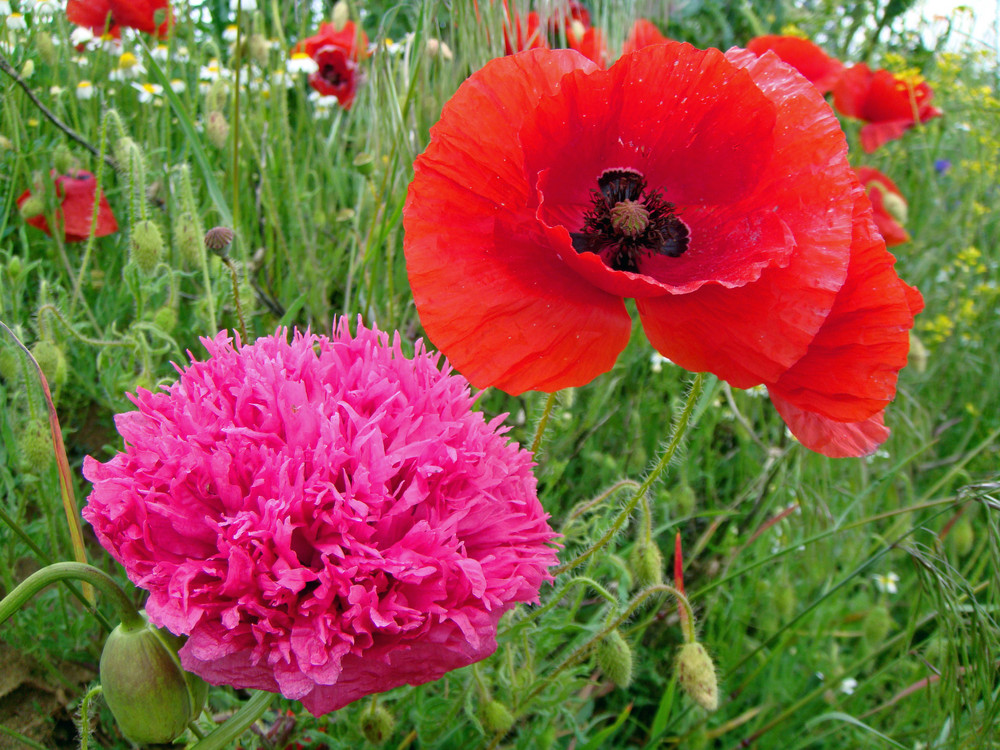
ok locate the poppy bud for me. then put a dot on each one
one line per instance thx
(217, 129)
(33, 206)
(51, 359)
(437, 48)
(963, 536)
(46, 49)
(614, 658)
(684, 499)
(63, 160)
(146, 247)
(918, 353)
(151, 697)
(496, 717)
(696, 674)
(35, 445)
(165, 319)
(365, 164)
(218, 239)
(189, 239)
(646, 562)
(28, 69)
(258, 48)
(877, 625)
(377, 724)
(340, 16)
(10, 364)
(217, 97)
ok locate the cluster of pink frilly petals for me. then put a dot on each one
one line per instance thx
(324, 518)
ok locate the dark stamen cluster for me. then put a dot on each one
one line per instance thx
(626, 222)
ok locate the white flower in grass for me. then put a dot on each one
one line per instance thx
(211, 72)
(848, 685)
(160, 53)
(56, 91)
(84, 90)
(109, 44)
(886, 582)
(148, 91)
(300, 63)
(656, 362)
(244, 4)
(230, 32)
(324, 105)
(177, 85)
(46, 8)
(81, 36)
(16, 22)
(5, 9)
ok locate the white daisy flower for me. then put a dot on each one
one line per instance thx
(300, 63)
(886, 582)
(84, 90)
(147, 91)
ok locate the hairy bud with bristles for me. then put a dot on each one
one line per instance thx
(696, 675)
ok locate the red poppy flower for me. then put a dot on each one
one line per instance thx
(712, 188)
(76, 193)
(336, 52)
(888, 205)
(890, 104)
(643, 34)
(519, 36)
(150, 16)
(803, 55)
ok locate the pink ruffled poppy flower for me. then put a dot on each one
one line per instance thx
(324, 518)
(77, 193)
(889, 104)
(805, 56)
(712, 188)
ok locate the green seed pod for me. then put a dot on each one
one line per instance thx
(365, 164)
(15, 267)
(146, 246)
(963, 536)
(377, 724)
(614, 658)
(63, 160)
(878, 624)
(496, 717)
(35, 445)
(696, 675)
(51, 359)
(165, 319)
(189, 240)
(646, 563)
(151, 697)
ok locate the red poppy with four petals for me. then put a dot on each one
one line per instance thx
(889, 104)
(76, 193)
(712, 188)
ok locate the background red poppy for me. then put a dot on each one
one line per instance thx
(76, 193)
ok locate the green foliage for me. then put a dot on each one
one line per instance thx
(781, 546)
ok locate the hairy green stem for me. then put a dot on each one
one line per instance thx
(546, 412)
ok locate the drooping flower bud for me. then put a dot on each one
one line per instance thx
(151, 697)
(217, 129)
(218, 240)
(646, 562)
(51, 359)
(696, 675)
(340, 16)
(377, 724)
(496, 717)
(614, 657)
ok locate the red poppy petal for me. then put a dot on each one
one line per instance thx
(643, 34)
(831, 438)
(92, 14)
(502, 308)
(874, 135)
(803, 55)
(141, 14)
(77, 208)
(752, 334)
(850, 370)
(851, 90)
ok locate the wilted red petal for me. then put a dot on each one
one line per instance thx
(876, 185)
(643, 34)
(803, 55)
(849, 373)
(483, 283)
(76, 195)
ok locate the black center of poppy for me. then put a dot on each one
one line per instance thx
(332, 75)
(627, 221)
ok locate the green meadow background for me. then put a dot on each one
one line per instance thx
(846, 603)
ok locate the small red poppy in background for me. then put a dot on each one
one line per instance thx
(101, 16)
(712, 188)
(803, 55)
(588, 41)
(76, 194)
(890, 104)
(521, 34)
(643, 34)
(888, 205)
(336, 53)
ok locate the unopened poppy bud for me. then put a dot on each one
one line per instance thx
(46, 49)
(437, 48)
(784, 600)
(496, 717)
(217, 129)
(189, 239)
(28, 69)
(165, 319)
(365, 164)
(35, 445)
(646, 562)
(696, 675)
(51, 359)
(918, 353)
(10, 364)
(258, 48)
(878, 623)
(963, 536)
(151, 697)
(340, 16)
(684, 499)
(33, 206)
(345, 215)
(146, 246)
(614, 658)
(217, 96)
(218, 239)
(63, 160)
(377, 724)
